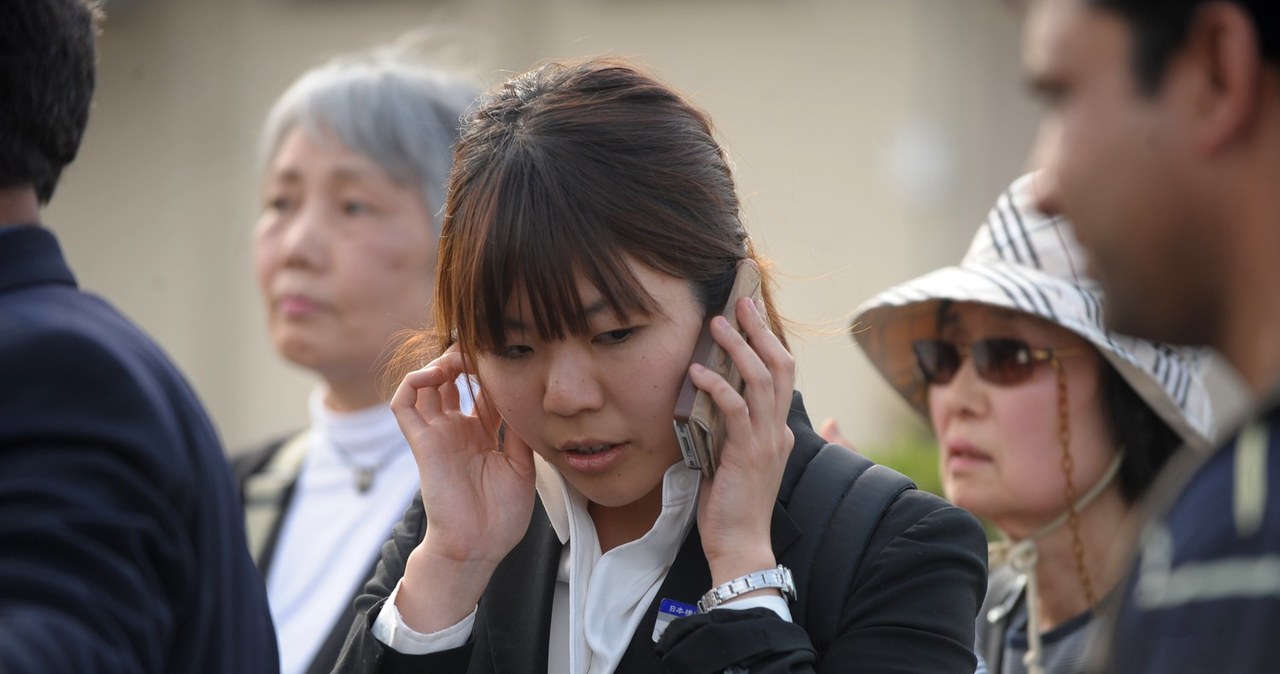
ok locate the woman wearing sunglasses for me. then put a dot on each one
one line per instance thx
(1049, 427)
(562, 532)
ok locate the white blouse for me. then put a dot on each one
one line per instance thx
(332, 532)
(599, 598)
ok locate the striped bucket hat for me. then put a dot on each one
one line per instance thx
(1028, 262)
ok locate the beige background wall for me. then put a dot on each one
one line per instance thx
(870, 137)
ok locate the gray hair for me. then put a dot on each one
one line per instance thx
(402, 116)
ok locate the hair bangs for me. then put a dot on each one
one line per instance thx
(541, 229)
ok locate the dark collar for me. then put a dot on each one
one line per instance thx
(30, 255)
(807, 444)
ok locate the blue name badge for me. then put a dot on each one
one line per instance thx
(668, 611)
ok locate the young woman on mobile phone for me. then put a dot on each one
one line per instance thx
(591, 228)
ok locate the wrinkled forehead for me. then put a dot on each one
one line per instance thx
(317, 151)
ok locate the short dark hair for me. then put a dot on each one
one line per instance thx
(1147, 441)
(46, 83)
(1159, 27)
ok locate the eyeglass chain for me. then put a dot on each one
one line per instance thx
(1068, 467)
(1022, 556)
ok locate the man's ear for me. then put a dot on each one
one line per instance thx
(1223, 61)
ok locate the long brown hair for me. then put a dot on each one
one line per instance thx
(569, 169)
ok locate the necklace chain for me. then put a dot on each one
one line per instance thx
(364, 474)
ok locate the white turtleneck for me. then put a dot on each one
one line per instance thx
(332, 533)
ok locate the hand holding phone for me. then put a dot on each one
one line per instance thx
(699, 424)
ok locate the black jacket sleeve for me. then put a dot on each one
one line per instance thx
(912, 608)
(362, 651)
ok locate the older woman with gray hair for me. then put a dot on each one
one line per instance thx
(355, 156)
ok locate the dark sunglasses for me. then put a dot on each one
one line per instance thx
(1000, 361)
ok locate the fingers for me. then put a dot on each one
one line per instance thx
(749, 363)
(440, 376)
(726, 397)
(737, 417)
(767, 368)
(427, 394)
(418, 395)
(769, 349)
(756, 418)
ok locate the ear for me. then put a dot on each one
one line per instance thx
(1225, 60)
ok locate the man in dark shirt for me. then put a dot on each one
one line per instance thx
(1161, 143)
(121, 539)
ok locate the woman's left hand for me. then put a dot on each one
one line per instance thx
(736, 506)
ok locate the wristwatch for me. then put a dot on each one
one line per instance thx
(779, 578)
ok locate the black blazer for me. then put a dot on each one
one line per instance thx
(915, 595)
(121, 540)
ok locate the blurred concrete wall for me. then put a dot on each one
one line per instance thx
(869, 136)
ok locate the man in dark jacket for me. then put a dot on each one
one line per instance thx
(121, 542)
(1162, 145)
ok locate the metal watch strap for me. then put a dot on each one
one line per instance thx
(778, 579)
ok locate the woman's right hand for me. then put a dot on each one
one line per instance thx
(478, 497)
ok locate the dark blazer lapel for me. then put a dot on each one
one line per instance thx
(784, 531)
(331, 648)
(690, 577)
(514, 617)
(686, 582)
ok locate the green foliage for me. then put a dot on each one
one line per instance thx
(915, 454)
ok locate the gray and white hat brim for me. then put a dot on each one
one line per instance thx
(1040, 276)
